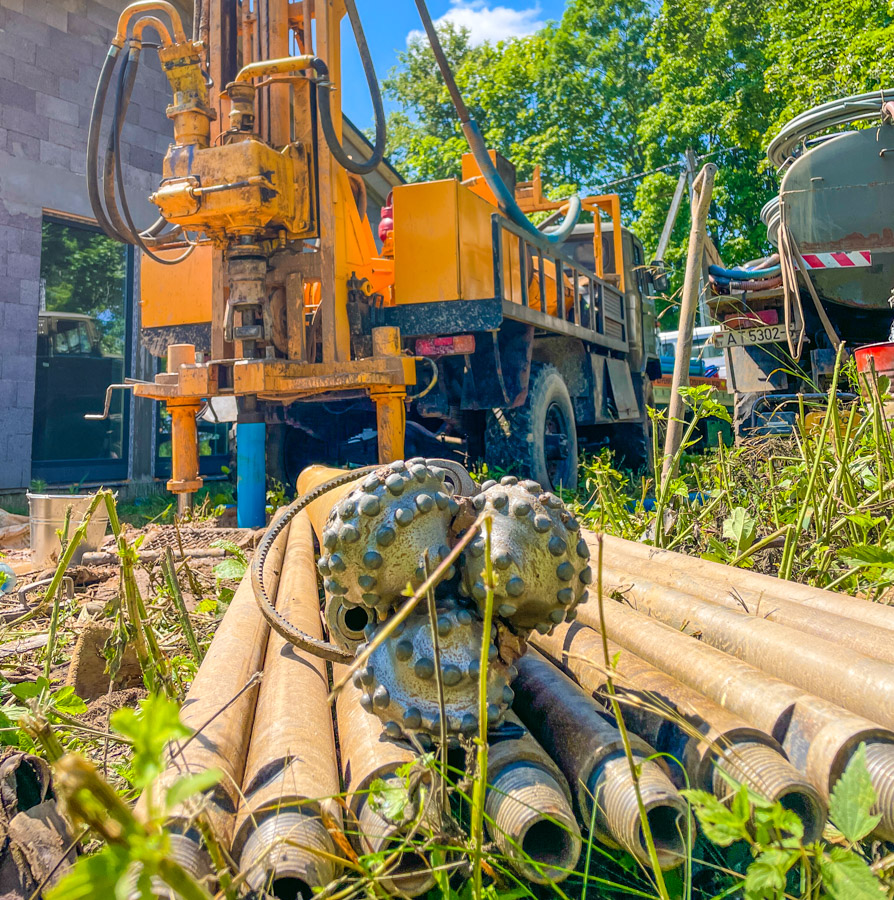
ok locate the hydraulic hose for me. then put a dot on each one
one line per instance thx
(105, 203)
(277, 622)
(476, 144)
(99, 101)
(375, 93)
(127, 73)
(122, 101)
(721, 272)
(826, 115)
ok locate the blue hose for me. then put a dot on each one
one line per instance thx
(743, 274)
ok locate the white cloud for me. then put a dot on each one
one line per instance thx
(488, 23)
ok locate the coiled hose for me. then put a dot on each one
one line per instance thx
(282, 626)
(826, 115)
(375, 94)
(476, 144)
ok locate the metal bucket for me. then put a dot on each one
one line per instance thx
(47, 513)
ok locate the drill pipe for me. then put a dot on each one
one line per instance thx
(528, 807)
(863, 685)
(706, 739)
(715, 580)
(590, 752)
(868, 640)
(818, 737)
(291, 765)
(221, 719)
(366, 755)
(318, 511)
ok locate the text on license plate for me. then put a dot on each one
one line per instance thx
(763, 334)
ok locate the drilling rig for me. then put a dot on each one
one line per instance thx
(502, 340)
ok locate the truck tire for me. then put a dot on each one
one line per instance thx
(538, 438)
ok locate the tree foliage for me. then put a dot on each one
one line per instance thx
(616, 89)
(84, 272)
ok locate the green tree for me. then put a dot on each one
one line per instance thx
(828, 49)
(617, 89)
(568, 98)
(709, 75)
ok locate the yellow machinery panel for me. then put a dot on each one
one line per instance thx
(443, 246)
(182, 300)
(242, 186)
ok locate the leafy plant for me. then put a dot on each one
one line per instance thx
(774, 836)
(232, 568)
(135, 850)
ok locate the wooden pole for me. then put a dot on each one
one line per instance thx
(702, 188)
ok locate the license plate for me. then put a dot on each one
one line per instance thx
(762, 334)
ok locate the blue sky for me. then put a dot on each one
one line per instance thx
(388, 23)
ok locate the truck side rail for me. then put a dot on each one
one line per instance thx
(596, 313)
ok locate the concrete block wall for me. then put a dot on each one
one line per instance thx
(51, 52)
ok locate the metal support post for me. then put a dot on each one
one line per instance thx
(185, 480)
(391, 411)
(251, 468)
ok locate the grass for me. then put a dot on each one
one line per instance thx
(814, 506)
(160, 509)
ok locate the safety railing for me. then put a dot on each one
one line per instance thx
(594, 311)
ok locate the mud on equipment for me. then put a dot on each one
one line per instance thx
(400, 684)
(540, 559)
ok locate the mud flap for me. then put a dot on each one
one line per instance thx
(621, 385)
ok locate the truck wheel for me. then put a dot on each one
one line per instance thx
(540, 437)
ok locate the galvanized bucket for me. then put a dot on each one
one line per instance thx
(48, 516)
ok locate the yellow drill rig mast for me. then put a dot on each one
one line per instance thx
(519, 343)
(244, 176)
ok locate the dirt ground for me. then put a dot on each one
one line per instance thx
(90, 607)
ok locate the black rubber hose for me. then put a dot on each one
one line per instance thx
(473, 135)
(93, 134)
(375, 93)
(126, 76)
(277, 622)
(122, 101)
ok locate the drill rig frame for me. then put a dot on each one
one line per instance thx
(244, 176)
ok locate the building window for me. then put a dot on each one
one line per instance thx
(83, 345)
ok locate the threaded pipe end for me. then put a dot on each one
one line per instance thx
(285, 855)
(618, 816)
(194, 859)
(530, 820)
(412, 875)
(880, 763)
(769, 774)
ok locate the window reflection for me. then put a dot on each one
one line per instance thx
(81, 349)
